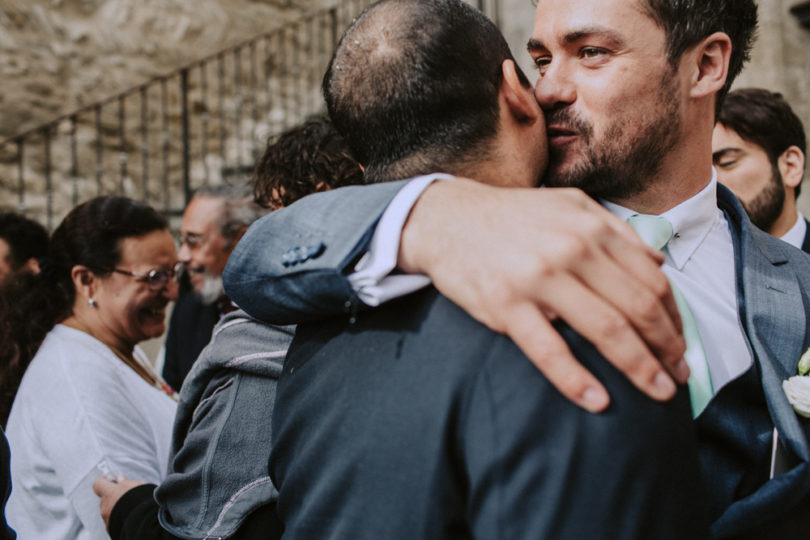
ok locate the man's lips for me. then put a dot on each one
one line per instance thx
(560, 136)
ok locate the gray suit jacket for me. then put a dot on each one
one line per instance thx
(322, 237)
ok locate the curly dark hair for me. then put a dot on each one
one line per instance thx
(20, 337)
(305, 159)
(30, 305)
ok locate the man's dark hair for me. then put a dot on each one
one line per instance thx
(686, 22)
(26, 238)
(764, 118)
(413, 85)
(302, 160)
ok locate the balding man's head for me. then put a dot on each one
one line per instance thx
(414, 84)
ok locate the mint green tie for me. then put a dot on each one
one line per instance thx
(657, 232)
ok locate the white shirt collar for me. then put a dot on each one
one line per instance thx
(691, 221)
(795, 236)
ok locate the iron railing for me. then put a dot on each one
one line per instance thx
(202, 124)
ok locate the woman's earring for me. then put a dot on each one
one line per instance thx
(91, 302)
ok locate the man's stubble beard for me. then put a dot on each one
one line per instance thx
(766, 207)
(619, 166)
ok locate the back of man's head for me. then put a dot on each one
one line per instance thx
(687, 22)
(764, 118)
(26, 238)
(413, 85)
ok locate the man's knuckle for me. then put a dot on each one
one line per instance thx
(575, 249)
(659, 285)
(646, 309)
(611, 326)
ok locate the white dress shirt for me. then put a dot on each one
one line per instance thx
(372, 279)
(700, 261)
(795, 236)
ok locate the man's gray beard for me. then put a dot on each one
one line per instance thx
(616, 168)
(211, 290)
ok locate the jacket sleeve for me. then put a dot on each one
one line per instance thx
(134, 516)
(291, 266)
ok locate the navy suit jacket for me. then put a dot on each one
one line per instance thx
(417, 422)
(190, 328)
(291, 266)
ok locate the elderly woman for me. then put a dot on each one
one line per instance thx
(90, 403)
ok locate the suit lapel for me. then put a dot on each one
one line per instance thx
(806, 244)
(773, 314)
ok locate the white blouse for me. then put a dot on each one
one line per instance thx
(79, 413)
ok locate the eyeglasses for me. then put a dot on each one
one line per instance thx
(193, 240)
(154, 279)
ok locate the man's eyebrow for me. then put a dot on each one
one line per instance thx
(723, 152)
(594, 31)
(535, 45)
(576, 35)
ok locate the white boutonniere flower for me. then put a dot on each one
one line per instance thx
(797, 388)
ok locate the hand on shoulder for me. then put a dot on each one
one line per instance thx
(515, 259)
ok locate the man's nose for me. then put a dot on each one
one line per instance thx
(184, 255)
(555, 88)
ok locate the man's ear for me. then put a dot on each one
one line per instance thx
(32, 265)
(791, 166)
(519, 99)
(235, 239)
(709, 61)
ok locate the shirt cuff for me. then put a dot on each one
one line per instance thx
(372, 279)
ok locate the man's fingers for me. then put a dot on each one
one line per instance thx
(645, 265)
(610, 332)
(510, 256)
(538, 340)
(102, 486)
(640, 293)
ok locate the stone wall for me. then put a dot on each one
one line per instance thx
(60, 55)
(57, 55)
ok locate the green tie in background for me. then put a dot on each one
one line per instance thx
(657, 232)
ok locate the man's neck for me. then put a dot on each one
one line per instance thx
(496, 172)
(667, 193)
(786, 220)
